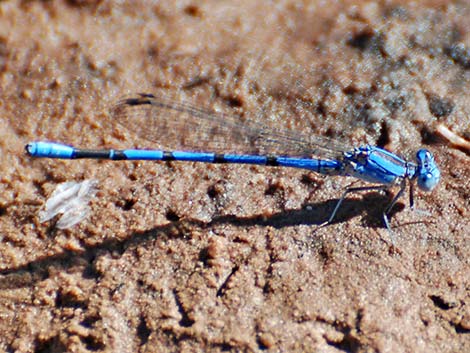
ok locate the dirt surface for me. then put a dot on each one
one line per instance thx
(188, 257)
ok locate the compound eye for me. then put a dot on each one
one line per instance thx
(424, 157)
(428, 181)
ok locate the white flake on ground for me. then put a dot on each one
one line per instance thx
(71, 200)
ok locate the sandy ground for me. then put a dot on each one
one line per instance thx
(187, 257)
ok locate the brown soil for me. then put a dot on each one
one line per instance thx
(187, 257)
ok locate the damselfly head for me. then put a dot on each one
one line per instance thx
(427, 173)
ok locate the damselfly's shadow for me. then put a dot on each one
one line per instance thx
(313, 214)
(371, 204)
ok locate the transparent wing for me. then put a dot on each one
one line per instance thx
(180, 126)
